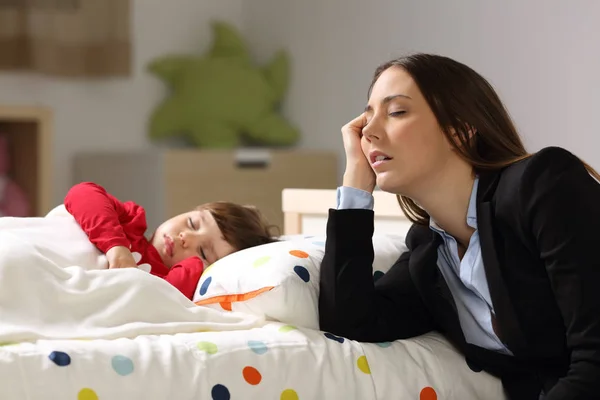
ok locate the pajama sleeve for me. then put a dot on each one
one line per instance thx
(186, 275)
(102, 216)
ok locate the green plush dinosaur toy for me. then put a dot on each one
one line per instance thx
(221, 100)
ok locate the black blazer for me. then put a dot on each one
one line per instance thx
(539, 222)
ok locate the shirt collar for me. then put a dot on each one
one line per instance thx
(471, 210)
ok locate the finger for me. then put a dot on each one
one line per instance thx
(358, 123)
(124, 265)
(355, 127)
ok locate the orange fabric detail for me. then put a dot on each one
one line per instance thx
(230, 298)
(299, 253)
(251, 375)
(428, 393)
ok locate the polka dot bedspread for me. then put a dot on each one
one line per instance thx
(151, 343)
(276, 361)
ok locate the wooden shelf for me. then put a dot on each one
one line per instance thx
(168, 182)
(29, 131)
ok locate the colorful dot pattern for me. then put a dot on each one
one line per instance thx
(473, 366)
(60, 358)
(334, 338)
(363, 365)
(220, 392)
(300, 270)
(302, 273)
(249, 374)
(124, 366)
(205, 285)
(87, 394)
(258, 347)
(428, 393)
(208, 347)
(299, 253)
(289, 394)
(261, 261)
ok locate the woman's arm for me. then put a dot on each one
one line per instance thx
(560, 203)
(101, 215)
(350, 303)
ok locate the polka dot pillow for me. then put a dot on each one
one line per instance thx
(280, 281)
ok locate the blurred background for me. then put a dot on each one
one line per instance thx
(74, 81)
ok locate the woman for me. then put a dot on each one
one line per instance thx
(502, 255)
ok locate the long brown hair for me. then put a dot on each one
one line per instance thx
(243, 226)
(469, 112)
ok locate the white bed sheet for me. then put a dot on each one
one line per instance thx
(147, 341)
(272, 362)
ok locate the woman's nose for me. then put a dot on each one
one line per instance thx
(370, 131)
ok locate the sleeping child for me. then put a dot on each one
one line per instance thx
(179, 249)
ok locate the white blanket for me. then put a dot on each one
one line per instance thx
(54, 285)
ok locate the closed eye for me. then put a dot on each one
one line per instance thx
(397, 113)
(191, 223)
(202, 254)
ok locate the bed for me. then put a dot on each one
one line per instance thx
(80, 332)
(305, 212)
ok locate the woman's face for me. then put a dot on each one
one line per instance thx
(402, 128)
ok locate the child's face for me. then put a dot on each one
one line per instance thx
(194, 233)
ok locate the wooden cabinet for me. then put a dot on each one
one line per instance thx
(173, 181)
(29, 133)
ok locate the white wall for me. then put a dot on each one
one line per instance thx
(112, 114)
(541, 55)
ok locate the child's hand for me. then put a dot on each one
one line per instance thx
(120, 257)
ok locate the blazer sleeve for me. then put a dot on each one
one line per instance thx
(351, 305)
(561, 204)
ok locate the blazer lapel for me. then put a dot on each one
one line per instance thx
(433, 288)
(510, 331)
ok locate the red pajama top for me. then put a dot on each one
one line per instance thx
(109, 222)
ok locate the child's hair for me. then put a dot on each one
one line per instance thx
(243, 226)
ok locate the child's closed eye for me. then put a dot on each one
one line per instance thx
(202, 254)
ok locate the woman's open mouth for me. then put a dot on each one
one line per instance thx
(378, 158)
